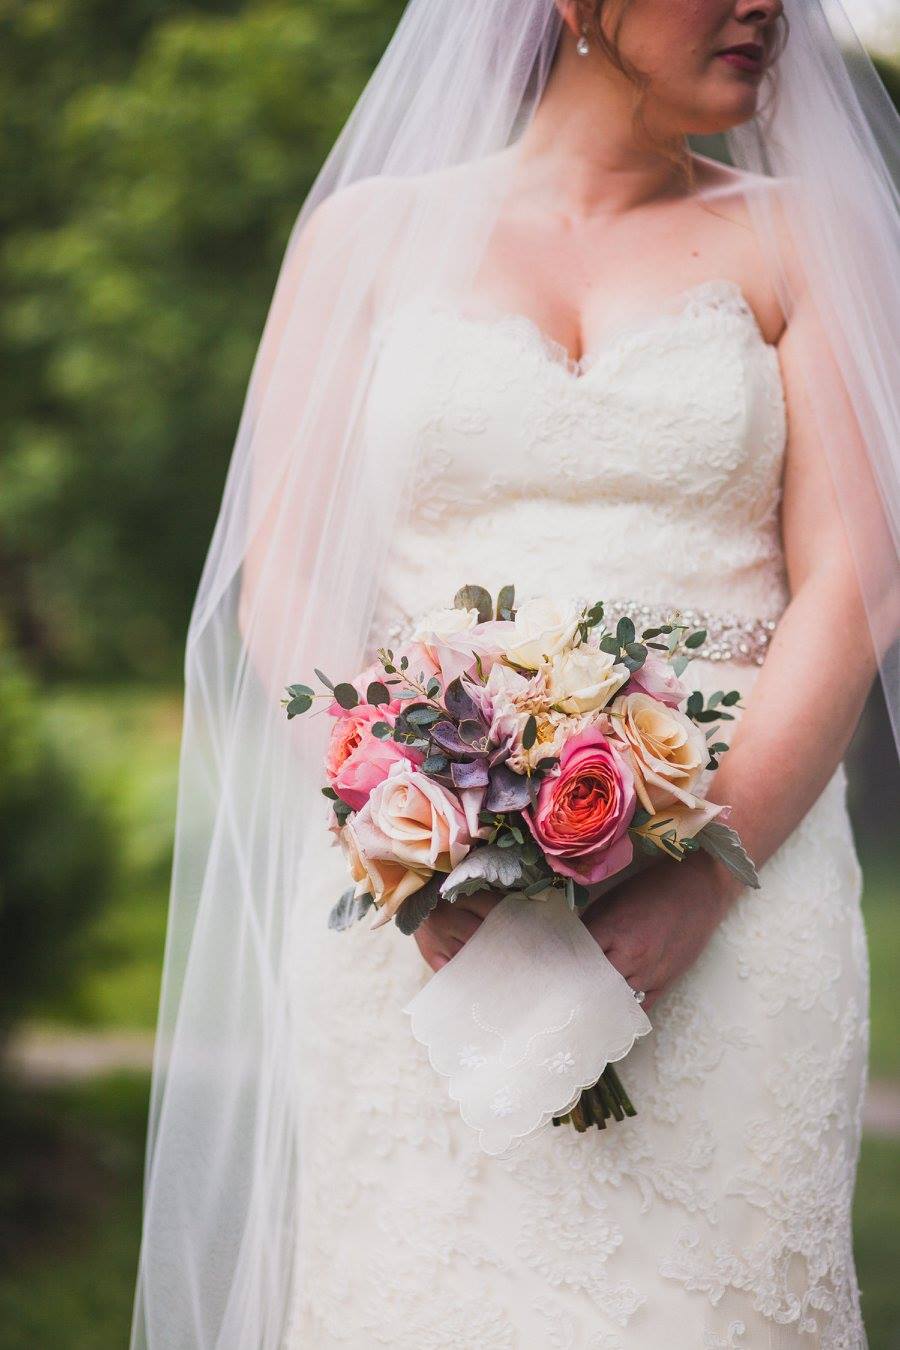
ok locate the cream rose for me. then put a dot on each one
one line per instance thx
(584, 679)
(409, 828)
(389, 883)
(446, 623)
(541, 630)
(665, 749)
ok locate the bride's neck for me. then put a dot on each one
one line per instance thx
(580, 150)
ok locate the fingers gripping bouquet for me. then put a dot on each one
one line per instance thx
(525, 751)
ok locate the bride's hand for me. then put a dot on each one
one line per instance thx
(449, 926)
(653, 926)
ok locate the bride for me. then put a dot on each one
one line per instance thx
(524, 333)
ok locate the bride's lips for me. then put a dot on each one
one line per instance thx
(744, 56)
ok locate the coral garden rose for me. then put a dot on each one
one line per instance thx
(412, 823)
(584, 679)
(665, 750)
(356, 761)
(540, 630)
(582, 814)
(657, 678)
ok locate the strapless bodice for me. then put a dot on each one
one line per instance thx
(650, 470)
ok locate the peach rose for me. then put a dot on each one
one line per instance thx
(665, 750)
(582, 815)
(388, 882)
(412, 824)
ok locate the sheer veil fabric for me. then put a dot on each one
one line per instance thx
(404, 203)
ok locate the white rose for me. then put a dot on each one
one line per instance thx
(666, 751)
(540, 631)
(444, 623)
(584, 680)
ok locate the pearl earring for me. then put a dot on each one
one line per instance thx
(581, 45)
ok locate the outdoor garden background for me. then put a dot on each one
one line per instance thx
(153, 157)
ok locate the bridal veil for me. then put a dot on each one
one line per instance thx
(405, 200)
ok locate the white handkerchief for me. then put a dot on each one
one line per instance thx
(525, 1016)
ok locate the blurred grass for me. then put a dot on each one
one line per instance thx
(67, 1277)
(126, 737)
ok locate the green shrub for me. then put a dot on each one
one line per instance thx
(56, 855)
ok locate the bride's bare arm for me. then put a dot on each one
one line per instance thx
(807, 700)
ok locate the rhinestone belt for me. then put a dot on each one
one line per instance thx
(729, 637)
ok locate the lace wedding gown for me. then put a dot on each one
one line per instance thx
(720, 1215)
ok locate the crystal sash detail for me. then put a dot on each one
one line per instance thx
(729, 636)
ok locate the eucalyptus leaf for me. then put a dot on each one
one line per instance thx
(297, 690)
(423, 715)
(382, 731)
(298, 705)
(324, 678)
(696, 639)
(625, 631)
(506, 602)
(377, 693)
(436, 764)
(680, 664)
(475, 597)
(529, 733)
(346, 695)
(722, 842)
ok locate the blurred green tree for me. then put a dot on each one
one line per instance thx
(160, 179)
(156, 156)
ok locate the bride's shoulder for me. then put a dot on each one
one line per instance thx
(393, 197)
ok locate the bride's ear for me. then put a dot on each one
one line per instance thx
(570, 13)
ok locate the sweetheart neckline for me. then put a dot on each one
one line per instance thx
(576, 369)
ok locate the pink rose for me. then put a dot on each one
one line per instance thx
(657, 678)
(450, 655)
(582, 814)
(356, 761)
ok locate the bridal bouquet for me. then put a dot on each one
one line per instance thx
(528, 751)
